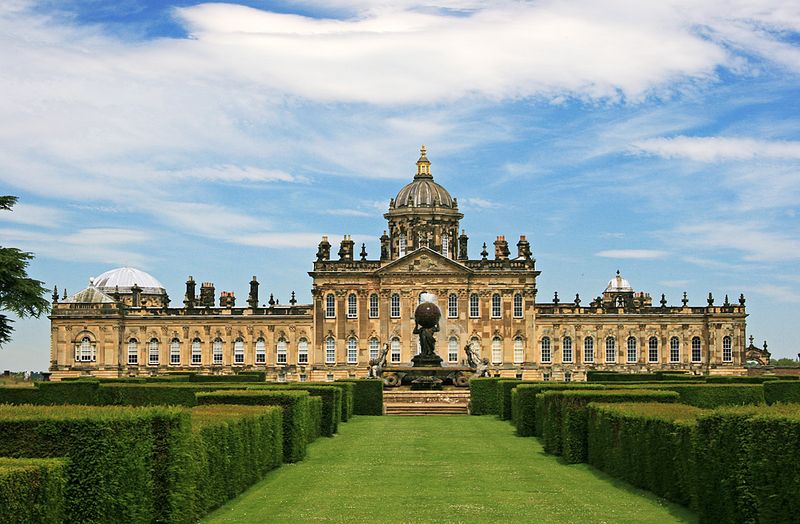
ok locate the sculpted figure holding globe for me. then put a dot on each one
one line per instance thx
(426, 318)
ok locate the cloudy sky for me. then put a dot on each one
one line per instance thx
(221, 140)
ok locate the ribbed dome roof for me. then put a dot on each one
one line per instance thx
(423, 192)
(618, 284)
(124, 278)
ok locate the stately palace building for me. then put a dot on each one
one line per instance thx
(124, 324)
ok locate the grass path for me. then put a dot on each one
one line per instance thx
(440, 469)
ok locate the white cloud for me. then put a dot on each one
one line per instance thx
(347, 213)
(34, 215)
(675, 283)
(232, 173)
(778, 293)
(637, 254)
(479, 203)
(715, 149)
(752, 240)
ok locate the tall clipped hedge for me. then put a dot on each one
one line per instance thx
(504, 388)
(524, 408)
(613, 376)
(717, 395)
(367, 395)
(315, 418)
(748, 380)
(483, 396)
(134, 395)
(32, 490)
(647, 445)
(124, 464)
(80, 392)
(749, 459)
(565, 430)
(782, 391)
(233, 447)
(240, 377)
(296, 416)
(331, 403)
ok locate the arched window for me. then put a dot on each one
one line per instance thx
(674, 350)
(152, 352)
(452, 306)
(175, 352)
(518, 305)
(519, 351)
(632, 357)
(446, 245)
(373, 348)
(261, 351)
(395, 350)
(86, 351)
(394, 305)
(696, 353)
(352, 306)
(281, 347)
(133, 351)
(566, 351)
(216, 351)
(497, 351)
(330, 351)
(474, 306)
(330, 306)
(352, 351)
(452, 349)
(652, 350)
(302, 351)
(197, 352)
(611, 349)
(373, 305)
(402, 244)
(546, 352)
(727, 351)
(496, 309)
(588, 350)
(567, 376)
(238, 351)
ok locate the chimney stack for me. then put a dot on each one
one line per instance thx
(324, 250)
(252, 297)
(227, 299)
(462, 246)
(385, 246)
(501, 251)
(207, 295)
(189, 298)
(524, 248)
(346, 249)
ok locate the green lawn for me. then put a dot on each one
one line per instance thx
(440, 469)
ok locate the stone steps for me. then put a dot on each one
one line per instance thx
(419, 403)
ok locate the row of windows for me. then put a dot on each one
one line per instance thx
(632, 354)
(196, 356)
(452, 306)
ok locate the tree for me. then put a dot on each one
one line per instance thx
(18, 292)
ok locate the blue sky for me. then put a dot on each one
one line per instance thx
(222, 140)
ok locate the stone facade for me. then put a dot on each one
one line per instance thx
(123, 325)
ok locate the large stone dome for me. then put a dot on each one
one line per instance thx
(618, 285)
(423, 191)
(124, 278)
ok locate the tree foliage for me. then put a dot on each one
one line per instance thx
(19, 293)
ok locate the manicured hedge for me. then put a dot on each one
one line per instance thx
(296, 416)
(79, 392)
(367, 395)
(749, 459)
(781, 391)
(504, 388)
(348, 396)
(124, 464)
(331, 403)
(95, 394)
(315, 416)
(483, 396)
(32, 490)
(19, 395)
(524, 407)
(647, 445)
(135, 395)
(748, 380)
(717, 395)
(241, 377)
(612, 376)
(564, 416)
(233, 447)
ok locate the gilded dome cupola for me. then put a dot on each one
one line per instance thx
(423, 214)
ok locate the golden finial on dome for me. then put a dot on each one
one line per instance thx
(423, 164)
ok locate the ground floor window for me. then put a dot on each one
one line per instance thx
(330, 351)
(373, 348)
(197, 354)
(133, 351)
(395, 347)
(352, 351)
(588, 350)
(611, 350)
(696, 353)
(281, 351)
(302, 351)
(546, 351)
(452, 349)
(238, 351)
(497, 351)
(152, 352)
(519, 353)
(674, 350)
(727, 352)
(632, 357)
(175, 352)
(567, 350)
(261, 351)
(652, 350)
(216, 351)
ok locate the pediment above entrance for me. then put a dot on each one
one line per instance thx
(423, 260)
